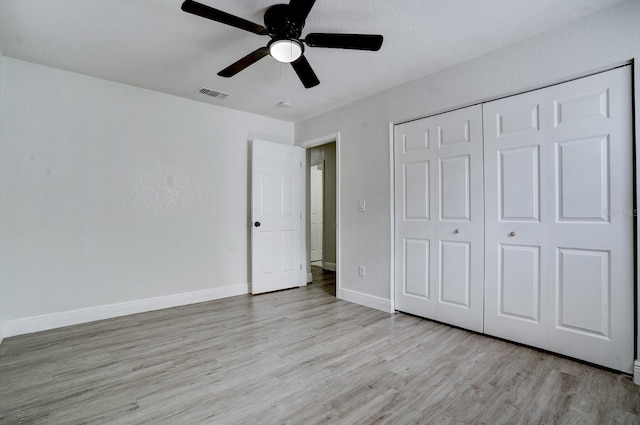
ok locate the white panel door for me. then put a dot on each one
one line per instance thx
(276, 217)
(459, 215)
(559, 242)
(592, 262)
(516, 172)
(315, 223)
(440, 217)
(414, 235)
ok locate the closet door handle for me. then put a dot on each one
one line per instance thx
(456, 231)
(512, 234)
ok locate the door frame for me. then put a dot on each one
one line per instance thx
(308, 144)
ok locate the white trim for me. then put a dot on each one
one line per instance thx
(318, 141)
(303, 223)
(333, 137)
(309, 277)
(392, 215)
(366, 300)
(338, 212)
(74, 317)
(1, 332)
(636, 372)
(329, 266)
(635, 83)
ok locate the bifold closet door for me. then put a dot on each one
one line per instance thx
(439, 218)
(559, 219)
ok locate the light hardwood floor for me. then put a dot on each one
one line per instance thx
(296, 357)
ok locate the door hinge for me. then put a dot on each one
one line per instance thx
(300, 266)
(300, 164)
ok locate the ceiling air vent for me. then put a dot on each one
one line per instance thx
(212, 93)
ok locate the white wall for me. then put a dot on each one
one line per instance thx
(601, 40)
(112, 194)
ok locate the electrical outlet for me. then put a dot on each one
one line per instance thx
(361, 271)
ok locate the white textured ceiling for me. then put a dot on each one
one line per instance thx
(154, 45)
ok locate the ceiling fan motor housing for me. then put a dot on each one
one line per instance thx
(281, 22)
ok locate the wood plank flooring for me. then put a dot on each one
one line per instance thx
(296, 357)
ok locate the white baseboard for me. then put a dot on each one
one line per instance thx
(309, 277)
(636, 372)
(74, 317)
(1, 332)
(329, 266)
(365, 299)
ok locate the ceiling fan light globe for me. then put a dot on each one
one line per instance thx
(286, 50)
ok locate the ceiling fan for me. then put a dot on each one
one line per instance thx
(284, 24)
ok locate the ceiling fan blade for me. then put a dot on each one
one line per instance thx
(344, 41)
(243, 63)
(301, 8)
(199, 9)
(305, 73)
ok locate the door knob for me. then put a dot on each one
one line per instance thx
(257, 224)
(512, 234)
(456, 231)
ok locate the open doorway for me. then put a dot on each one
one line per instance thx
(322, 187)
(322, 206)
(316, 213)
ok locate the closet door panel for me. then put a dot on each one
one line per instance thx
(514, 145)
(439, 218)
(414, 211)
(519, 283)
(559, 270)
(583, 286)
(459, 203)
(591, 236)
(455, 274)
(518, 172)
(416, 191)
(454, 188)
(582, 180)
(416, 280)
